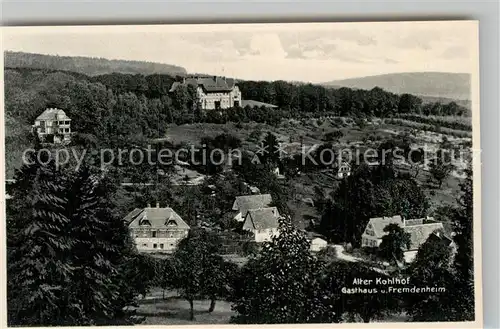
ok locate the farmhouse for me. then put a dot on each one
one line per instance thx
(374, 231)
(156, 229)
(53, 126)
(419, 230)
(262, 223)
(242, 204)
(213, 93)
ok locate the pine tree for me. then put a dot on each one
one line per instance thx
(91, 277)
(103, 254)
(70, 259)
(39, 248)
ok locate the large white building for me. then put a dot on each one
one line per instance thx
(53, 126)
(213, 92)
(156, 229)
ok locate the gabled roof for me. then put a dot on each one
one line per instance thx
(441, 238)
(419, 233)
(379, 223)
(209, 84)
(156, 218)
(244, 203)
(261, 219)
(131, 215)
(53, 114)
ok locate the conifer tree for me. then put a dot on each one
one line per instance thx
(39, 248)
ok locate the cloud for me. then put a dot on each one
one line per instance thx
(327, 44)
(455, 52)
(317, 52)
(423, 41)
(390, 61)
(267, 45)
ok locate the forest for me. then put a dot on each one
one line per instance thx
(86, 65)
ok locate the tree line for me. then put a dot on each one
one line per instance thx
(142, 105)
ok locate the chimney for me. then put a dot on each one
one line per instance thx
(215, 78)
(157, 205)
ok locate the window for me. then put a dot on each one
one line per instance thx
(145, 222)
(171, 245)
(236, 103)
(155, 246)
(161, 245)
(144, 244)
(217, 105)
(154, 234)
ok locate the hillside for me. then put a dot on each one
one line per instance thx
(87, 65)
(435, 84)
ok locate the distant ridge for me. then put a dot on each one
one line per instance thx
(91, 66)
(434, 84)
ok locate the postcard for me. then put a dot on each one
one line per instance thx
(226, 174)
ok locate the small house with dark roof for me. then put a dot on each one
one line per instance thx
(53, 126)
(262, 223)
(213, 92)
(244, 203)
(156, 229)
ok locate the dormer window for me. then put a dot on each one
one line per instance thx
(145, 222)
(171, 222)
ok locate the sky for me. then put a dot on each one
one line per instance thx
(309, 52)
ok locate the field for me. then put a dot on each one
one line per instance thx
(175, 311)
(314, 131)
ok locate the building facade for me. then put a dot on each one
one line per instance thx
(156, 229)
(262, 223)
(213, 92)
(53, 126)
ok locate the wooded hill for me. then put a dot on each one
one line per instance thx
(454, 86)
(87, 65)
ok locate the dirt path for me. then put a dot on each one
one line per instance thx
(349, 258)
